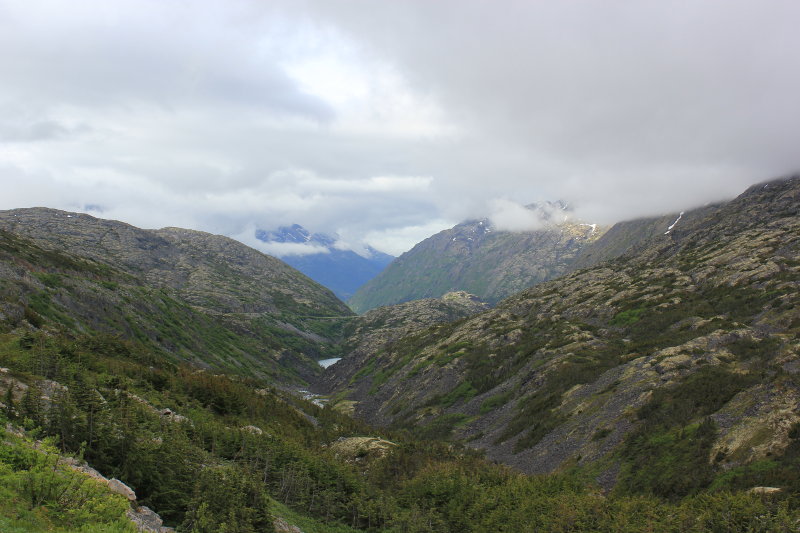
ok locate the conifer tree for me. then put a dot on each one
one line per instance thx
(8, 400)
(31, 405)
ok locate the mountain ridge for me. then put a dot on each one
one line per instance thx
(476, 258)
(238, 308)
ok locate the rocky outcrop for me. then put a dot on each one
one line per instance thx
(146, 520)
(172, 416)
(282, 526)
(765, 490)
(361, 449)
(118, 487)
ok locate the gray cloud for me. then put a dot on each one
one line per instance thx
(381, 122)
(669, 95)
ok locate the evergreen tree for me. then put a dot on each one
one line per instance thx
(66, 421)
(230, 500)
(31, 406)
(8, 401)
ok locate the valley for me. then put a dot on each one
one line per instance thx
(642, 377)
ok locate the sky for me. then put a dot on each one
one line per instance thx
(387, 121)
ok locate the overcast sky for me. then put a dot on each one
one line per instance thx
(386, 121)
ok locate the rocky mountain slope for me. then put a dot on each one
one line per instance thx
(234, 307)
(670, 375)
(212, 453)
(373, 331)
(630, 236)
(342, 271)
(677, 363)
(476, 258)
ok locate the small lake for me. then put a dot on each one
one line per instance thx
(325, 363)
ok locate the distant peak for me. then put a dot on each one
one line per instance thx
(296, 234)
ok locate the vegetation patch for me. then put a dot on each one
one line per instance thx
(672, 463)
(52, 281)
(493, 402)
(41, 494)
(463, 392)
(669, 454)
(761, 350)
(441, 427)
(626, 318)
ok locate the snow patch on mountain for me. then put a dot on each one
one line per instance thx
(669, 229)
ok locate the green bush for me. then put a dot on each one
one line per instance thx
(626, 318)
(36, 486)
(214, 509)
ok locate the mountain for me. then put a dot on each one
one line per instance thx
(475, 257)
(669, 368)
(136, 388)
(197, 297)
(342, 271)
(378, 328)
(629, 236)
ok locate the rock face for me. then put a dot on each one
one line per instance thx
(118, 487)
(556, 374)
(196, 297)
(146, 520)
(476, 258)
